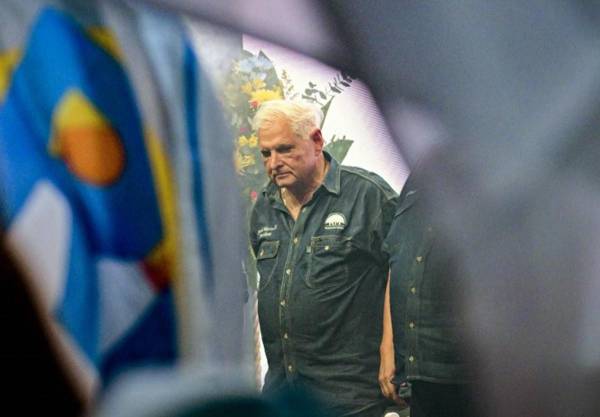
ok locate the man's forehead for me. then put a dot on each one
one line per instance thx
(275, 124)
(275, 134)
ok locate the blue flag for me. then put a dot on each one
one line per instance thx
(104, 193)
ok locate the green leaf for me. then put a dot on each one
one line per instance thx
(325, 110)
(339, 148)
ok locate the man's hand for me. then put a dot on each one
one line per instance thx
(387, 369)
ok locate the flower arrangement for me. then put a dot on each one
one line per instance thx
(252, 81)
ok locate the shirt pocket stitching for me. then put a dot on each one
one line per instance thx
(318, 246)
(267, 250)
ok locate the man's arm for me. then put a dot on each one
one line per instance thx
(387, 367)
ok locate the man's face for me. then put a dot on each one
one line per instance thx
(290, 161)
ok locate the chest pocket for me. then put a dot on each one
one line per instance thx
(266, 260)
(328, 261)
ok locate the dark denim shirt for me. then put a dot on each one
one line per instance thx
(322, 284)
(423, 285)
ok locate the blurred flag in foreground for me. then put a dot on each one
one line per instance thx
(117, 190)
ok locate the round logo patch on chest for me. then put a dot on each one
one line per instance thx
(335, 221)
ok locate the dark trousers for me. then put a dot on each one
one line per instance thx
(440, 400)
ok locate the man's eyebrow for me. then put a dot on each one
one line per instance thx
(280, 148)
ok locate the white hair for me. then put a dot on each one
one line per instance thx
(302, 117)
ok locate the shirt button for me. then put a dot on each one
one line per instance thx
(295, 241)
(285, 336)
(290, 368)
(282, 303)
(411, 325)
(327, 247)
(288, 271)
(411, 358)
(413, 290)
(419, 259)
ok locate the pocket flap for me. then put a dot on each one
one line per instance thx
(324, 244)
(268, 249)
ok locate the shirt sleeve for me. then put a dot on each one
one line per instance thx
(252, 236)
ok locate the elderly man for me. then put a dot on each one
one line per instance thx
(317, 231)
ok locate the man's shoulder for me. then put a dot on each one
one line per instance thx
(262, 196)
(360, 177)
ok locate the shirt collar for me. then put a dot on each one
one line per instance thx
(332, 178)
(410, 187)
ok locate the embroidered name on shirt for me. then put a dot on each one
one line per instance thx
(266, 231)
(335, 221)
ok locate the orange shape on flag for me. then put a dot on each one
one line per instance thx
(85, 140)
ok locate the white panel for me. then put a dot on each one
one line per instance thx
(125, 293)
(40, 237)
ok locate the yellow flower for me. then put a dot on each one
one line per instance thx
(243, 161)
(242, 140)
(246, 161)
(252, 141)
(253, 85)
(247, 88)
(260, 96)
(237, 160)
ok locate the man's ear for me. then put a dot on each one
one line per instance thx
(317, 137)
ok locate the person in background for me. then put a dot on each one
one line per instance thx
(317, 231)
(430, 368)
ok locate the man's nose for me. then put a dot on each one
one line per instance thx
(274, 160)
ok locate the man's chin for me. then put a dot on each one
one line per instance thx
(283, 180)
(282, 184)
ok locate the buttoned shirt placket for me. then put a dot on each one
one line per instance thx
(412, 311)
(296, 247)
(413, 305)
